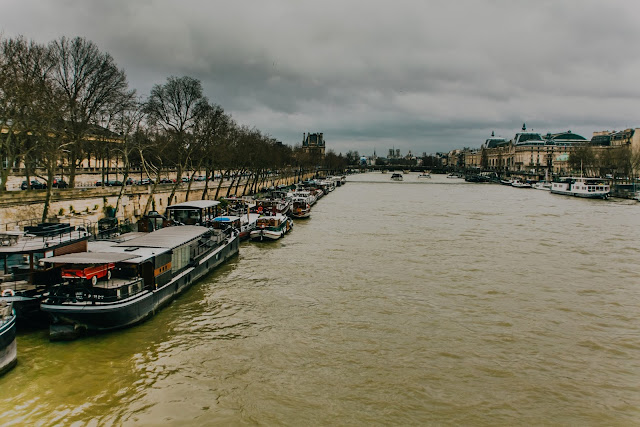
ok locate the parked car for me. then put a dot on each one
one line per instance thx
(35, 185)
(59, 183)
(90, 273)
(110, 183)
(166, 181)
(200, 178)
(185, 179)
(129, 181)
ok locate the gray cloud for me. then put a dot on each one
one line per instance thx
(421, 75)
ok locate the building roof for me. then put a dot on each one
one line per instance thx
(494, 142)
(568, 136)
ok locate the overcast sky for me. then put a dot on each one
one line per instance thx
(423, 75)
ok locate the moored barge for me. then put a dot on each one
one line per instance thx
(8, 346)
(148, 271)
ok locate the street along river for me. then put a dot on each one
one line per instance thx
(397, 303)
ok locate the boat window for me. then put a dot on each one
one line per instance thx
(15, 260)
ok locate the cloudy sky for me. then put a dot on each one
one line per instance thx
(422, 75)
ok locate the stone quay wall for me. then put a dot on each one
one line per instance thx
(89, 204)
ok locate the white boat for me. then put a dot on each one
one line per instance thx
(396, 177)
(453, 175)
(592, 188)
(244, 224)
(300, 208)
(542, 185)
(271, 227)
(424, 175)
(520, 184)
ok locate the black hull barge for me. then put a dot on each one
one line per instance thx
(145, 272)
(8, 347)
(23, 280)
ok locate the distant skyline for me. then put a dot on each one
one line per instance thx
(424, 76)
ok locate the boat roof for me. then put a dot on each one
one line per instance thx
(141, 254)
(195, 204)
(89, 258)
(168, 238)
(136, 248)
(21, 242)
(226, 218)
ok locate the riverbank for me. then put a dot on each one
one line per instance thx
(91, 203)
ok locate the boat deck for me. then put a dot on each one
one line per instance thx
(17, 285)
(114, 283)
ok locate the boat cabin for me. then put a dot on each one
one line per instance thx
(22, 250)
(197, 212)
(226, 222)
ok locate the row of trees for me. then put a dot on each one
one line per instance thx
(63, 102)
(619, 161)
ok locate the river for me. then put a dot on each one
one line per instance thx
(397, 303)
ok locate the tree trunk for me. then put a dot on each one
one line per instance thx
(189, 185)
(73, 159)
(125, 176)
(153, 191)
(47, 197)
(244, 191)
(175, 186)
(241, 174)
(233, 181)
(206, 183)
(222, 173)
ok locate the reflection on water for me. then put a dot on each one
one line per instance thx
(396, 303)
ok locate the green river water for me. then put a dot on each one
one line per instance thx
(397, 303)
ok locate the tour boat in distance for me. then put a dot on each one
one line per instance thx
(424, 175)
(592, 188)
(271, 227)
(542, 185)
(520, 184)
(396, 177)
(8, 347)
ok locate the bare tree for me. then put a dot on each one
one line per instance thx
(24, 67)
(91, 83)
(128, 124)
(174, 108)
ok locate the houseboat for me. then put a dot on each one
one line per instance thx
(8, 346)
(147, 270)
(197, 212)
(520, 184)
(271, 227)
(23, 279)
(243, 224)
(592, 188)
(271, 206)
(301, 208)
